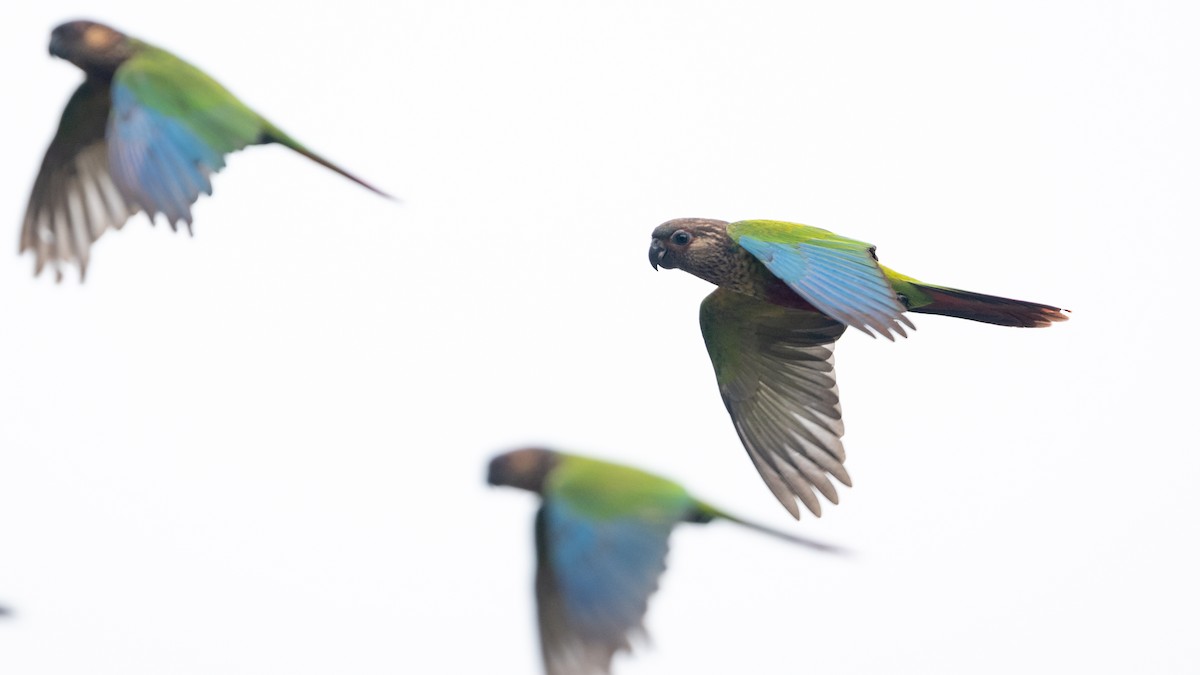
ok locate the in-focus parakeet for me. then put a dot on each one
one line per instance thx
(601, 536)
(786, 294)
(143, 132)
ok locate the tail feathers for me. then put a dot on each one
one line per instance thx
(988, 308)
(275, 136)
(705, 513)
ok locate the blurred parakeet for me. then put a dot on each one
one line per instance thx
(601, 536)
(786, 294)
(143, 132)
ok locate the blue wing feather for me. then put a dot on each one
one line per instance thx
(156, 161)
(842, 280)
(605, 569)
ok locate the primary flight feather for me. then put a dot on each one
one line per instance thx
(143, 132)
(786, 292)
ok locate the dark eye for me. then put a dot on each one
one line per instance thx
(681, 238)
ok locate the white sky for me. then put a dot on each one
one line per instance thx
(261, 449)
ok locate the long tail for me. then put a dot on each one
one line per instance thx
(986, 308)
(274, 135)
(705, 513)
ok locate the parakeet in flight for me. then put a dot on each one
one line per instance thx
(601, 536)
(144, 132)
(786, 293)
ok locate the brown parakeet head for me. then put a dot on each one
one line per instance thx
(97, 49)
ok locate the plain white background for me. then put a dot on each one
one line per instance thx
(261, 449)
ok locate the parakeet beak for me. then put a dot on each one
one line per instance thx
(657, 251)
(56, 45)
(495, 471)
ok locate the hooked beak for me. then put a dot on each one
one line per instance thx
(657, 251)
(58, 43)
(494, 471)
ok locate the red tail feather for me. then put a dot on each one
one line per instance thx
(989, 308)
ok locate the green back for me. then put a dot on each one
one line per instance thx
(782, 232)
(173, 87)
(909, 287)
(603, 490)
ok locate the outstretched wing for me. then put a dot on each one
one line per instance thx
(839, 276)
(774, 367)
(74, 198)
(170, 129)
(594, 581)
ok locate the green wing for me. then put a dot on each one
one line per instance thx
(170, 86)
(211, 123)
(170, 129)
(147, 141)
(600, 489)
(602, 537)
(774, 367)
(837, 275)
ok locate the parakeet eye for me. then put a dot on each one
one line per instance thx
(681, 238)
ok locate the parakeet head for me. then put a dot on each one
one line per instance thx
(701, 246)
(526, 468)
(94, 47)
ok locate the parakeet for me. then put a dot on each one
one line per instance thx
(601, 536)
(786, 293)
(144, 132)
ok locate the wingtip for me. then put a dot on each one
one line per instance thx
(870, 333)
